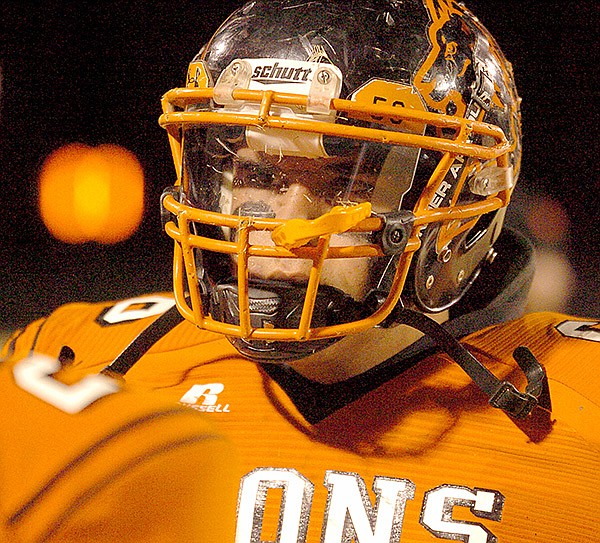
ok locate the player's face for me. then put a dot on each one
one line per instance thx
(290, 187)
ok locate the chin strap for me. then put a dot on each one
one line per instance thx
(502, 394)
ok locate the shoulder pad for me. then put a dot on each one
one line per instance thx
(569, 349)
(96, 332)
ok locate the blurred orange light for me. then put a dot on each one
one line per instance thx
(548, 220)
(91, 193)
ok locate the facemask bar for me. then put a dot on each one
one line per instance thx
(177, 116)
(186, 273)
(174, 119)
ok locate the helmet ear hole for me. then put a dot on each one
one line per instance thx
(441, 278)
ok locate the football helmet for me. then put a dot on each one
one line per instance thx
(335, 160)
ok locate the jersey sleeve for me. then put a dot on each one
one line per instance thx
(92, 461)
(96, 333)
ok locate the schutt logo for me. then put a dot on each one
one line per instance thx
(276, 72)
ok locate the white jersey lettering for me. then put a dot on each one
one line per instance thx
(349, 513)
(34, 374)
(295, 509)
(438, 506)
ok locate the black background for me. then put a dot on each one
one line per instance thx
(95, 72)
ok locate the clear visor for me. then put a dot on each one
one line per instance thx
(267, 173)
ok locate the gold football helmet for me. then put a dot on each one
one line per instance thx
(335, 160)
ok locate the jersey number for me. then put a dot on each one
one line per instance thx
(34, 374)
(135, 309)
(587, 330)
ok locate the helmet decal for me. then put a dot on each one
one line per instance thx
(455, 66)
(455, 79)
(198, 76)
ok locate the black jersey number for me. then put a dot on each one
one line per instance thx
(35, 375)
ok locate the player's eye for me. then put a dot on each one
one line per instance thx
(361, 190)
(252, 174)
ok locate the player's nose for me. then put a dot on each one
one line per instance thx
(299, 202)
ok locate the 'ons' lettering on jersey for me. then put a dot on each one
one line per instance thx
(350, 515)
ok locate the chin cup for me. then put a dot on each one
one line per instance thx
(277, 304)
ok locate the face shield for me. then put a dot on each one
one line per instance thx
(261, 174)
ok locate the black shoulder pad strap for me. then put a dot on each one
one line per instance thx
(143, 341)
(502, 394)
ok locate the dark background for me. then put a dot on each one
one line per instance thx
(95, 72)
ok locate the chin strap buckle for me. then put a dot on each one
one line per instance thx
(520, 404)
(515, 403)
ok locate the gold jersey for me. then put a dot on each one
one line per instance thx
(92, 461)
(410, 455)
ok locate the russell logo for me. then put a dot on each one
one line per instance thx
(205, 398)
